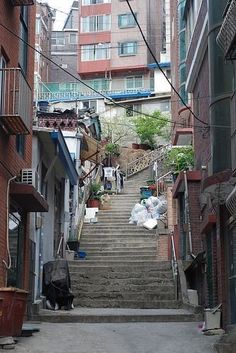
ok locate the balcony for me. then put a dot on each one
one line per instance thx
(74, 91)
(22, 2)
(226, 38)
(15, 102)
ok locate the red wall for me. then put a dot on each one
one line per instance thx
(9, 46)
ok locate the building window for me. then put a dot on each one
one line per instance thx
(191, 17)
(134, 82)
(127, 48)
(23, 51)
(94, 2)
(126, 20)
(93, 52)
(92, 104)
(58, 38)
(100, 84)
(73, 38)
(20, 145)
(133, 110)
(95, 23)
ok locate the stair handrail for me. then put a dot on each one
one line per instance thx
(145, 161)
(174, 263)
(82, 207)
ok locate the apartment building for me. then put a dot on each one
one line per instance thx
(112, 53)
(210, 87)
(64, 45)
(43, 29)
(18, 196)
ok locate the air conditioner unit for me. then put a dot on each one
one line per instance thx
(30, 176)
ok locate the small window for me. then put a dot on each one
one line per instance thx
(134, 82)
(73, 38)
(20, 145)
(126, 20)
(127, 48)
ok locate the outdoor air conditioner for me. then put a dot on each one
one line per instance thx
(231, 202)
(30, 176)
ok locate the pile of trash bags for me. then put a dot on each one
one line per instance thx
(151, 208)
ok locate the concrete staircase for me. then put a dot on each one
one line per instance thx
(122, 269)
(122, 279)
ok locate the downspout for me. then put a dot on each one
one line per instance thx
(188, 216)
(8, 265)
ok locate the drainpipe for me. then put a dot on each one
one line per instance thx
(220, 89)
(8, 265)
(188, 215)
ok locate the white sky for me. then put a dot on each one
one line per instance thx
(63, 5)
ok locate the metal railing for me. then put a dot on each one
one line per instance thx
(71, 94)
(15, 101)
(226, 37)
(145, 161)
(82, 205)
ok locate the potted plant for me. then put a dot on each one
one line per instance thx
(179, 159)
(95, 195)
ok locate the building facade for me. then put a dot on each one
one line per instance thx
(64, 46)
(18, 197)
(210, 86)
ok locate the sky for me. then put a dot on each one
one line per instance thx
(63, 5)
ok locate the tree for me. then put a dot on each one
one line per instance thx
(148, 128)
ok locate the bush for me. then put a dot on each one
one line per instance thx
(179, 159)
(113, 149)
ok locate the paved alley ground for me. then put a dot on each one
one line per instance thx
(118, 338)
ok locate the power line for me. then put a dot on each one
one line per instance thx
(160, 68)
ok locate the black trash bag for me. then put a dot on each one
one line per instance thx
(56, 285)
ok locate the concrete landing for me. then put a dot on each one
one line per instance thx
(112, 315)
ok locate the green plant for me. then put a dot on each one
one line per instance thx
(95, 191)
(113, 149)
(148, 128)
(179, 159)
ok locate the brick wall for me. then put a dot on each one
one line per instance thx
(9, 158)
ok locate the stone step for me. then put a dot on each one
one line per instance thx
(105, 315)
(117, 251)
(116, 232)
(127, 243)
(117, 273)
(120, 287)
(88, 279)
(150, 265)
(121, 246)
(125, 296)
(116, 303)
(114, 257)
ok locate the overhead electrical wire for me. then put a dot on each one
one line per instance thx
(160, 68)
